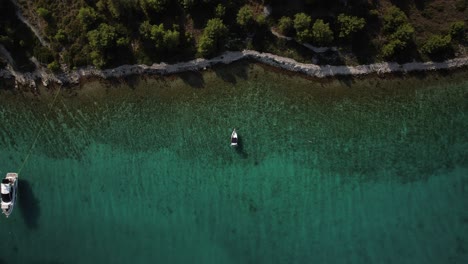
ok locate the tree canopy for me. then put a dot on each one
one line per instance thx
(302, 25)
(393, 19)
(302, 22)
(285, 25)
(103, 37)
(398, 30)
(350, 25)
(245, 16)
(321, 33)
(213, 37)
(437, 45)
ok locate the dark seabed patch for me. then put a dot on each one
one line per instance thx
(28, 204)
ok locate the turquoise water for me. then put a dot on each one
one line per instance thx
(365, 170)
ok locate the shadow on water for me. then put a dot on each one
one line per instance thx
(193, 78)
(240, 149)
(28, 204)
(230, 73)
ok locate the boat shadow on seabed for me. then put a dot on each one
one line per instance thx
(240, 148)
(28, 204)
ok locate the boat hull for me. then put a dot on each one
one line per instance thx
(234, 139)
(8, 205)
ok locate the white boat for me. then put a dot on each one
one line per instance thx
(9, 189)
(234, 138)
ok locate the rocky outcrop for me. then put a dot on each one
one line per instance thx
(288, 64)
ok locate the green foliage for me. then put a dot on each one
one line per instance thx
(437, 44)
(389, 50)
(245, 16)
(302, 22)
(213, 38)
(374, 13)
(187, 4)
(61, 36)
(44, 13)
(145, 29)
(304, 36)
(261, 20)
(206, 46)
(321, 33)
(123, 41)
(54, 66)
(171, 39)
(393, 19)
(285, 25)
(87, 16)
(103, 37)
(116, 8)
(220, 11)
(157, 6)
(350, 25)
(399, 32)
(157, 35)
(215, 29)
(162, 39)
(458, 30)
(404, 33)
(98, 59)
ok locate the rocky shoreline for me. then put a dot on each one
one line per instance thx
(313, 70)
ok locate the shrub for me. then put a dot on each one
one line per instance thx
(437, 44)
(87, 16)
(389, 49)
(206, 45)
(220, 11)
(399, 31)
(61, 36)
(404, 33)
(321, 33)
(261, 20)
(393, 19)
(145, 29)
(245, 16)
(302, 22)
(171, 39)
(457, 30)
(98, 59)
(44, 13)
(213, 38)
(103, 37)
(285, 25)
(304, 36)
(153, 5)
(53, 66)
(350, 25)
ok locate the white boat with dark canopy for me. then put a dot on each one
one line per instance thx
(234, 139)
(9, 189)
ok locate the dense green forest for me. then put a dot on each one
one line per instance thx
(108, 33)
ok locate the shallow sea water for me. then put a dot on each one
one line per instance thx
(345, 170)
